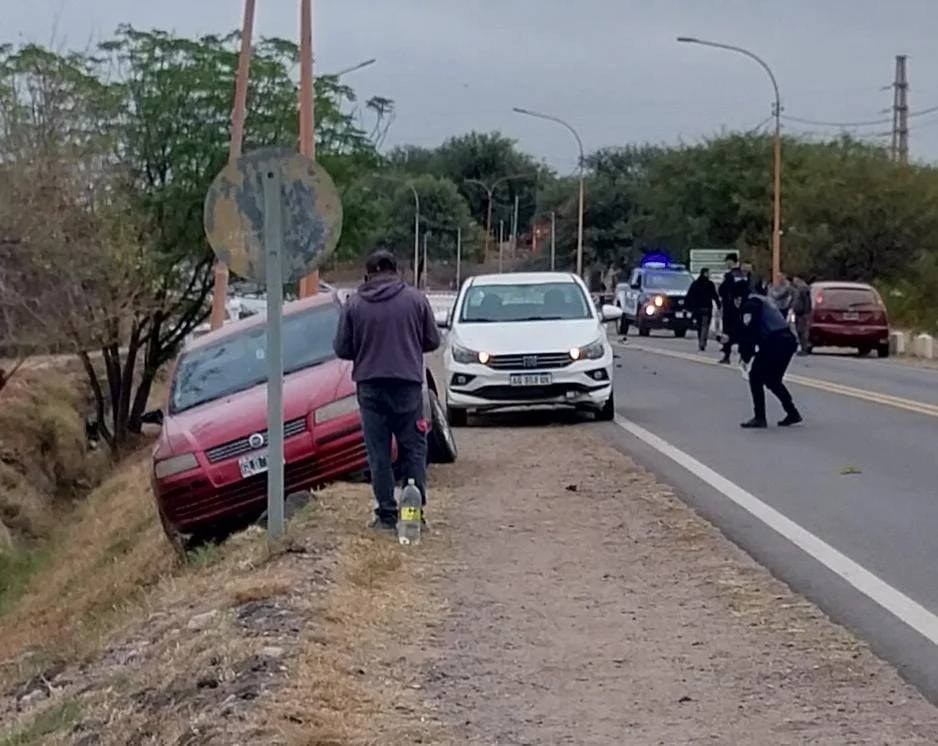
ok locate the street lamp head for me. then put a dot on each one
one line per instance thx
(688, 39)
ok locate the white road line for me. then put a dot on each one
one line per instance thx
(876, 397)
(892, 600)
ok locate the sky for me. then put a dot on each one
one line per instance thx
(611, 68)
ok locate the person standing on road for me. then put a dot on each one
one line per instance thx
(766, 340)
(802, 310)
(385, 329)
(701, 297)
(733, 277)
(782, 295)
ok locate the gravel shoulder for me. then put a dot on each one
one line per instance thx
(588, 604)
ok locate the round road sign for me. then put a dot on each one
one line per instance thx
(310, 208)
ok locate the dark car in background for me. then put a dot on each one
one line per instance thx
(653, 298)
(849, 314)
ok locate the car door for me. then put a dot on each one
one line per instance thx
(632, 294)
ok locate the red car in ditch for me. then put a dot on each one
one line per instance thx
(210, 462)
(849, 314)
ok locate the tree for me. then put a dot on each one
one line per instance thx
(442, 210)
(486, 157)
(125, 144)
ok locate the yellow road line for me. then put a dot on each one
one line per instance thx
(897, 402)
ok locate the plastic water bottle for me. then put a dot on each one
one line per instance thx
(411, 514)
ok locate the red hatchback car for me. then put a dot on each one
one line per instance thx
(849, 314)
(210, 462)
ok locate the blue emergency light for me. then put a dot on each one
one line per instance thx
(656, 261)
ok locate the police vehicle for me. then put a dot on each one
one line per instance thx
(653, 298)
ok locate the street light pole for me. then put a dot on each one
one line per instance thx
(579, 142)
(776, 148)
(490, 192)
(426, 273)
(553, 239)
(458, 254)
(352, 69)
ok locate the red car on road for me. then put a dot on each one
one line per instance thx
(210, 462)
(849, 314)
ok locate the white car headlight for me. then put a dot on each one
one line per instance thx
(175, 465)
(468, 357)
(593, 351)
(338, 408)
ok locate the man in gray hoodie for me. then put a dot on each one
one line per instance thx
(385, 329)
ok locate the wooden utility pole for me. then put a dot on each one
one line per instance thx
(309, 285)
(238, 114)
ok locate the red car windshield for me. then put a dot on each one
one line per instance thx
(238, 362)
(848, 298)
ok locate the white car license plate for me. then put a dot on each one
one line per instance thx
(680, 314)
(851, 316)
(530, 379)
(253, 465)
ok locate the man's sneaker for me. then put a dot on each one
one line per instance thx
(791, 419)
(754, 424)
(381, 526)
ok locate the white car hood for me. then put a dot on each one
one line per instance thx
(526, 336)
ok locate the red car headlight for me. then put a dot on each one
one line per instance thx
(175, 465)
(336, 409)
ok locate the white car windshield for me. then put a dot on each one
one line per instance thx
(549, 301)
(667, 280)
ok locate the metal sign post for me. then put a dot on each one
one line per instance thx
(273, 216)
(273, 241)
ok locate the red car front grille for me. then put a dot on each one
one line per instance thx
(240, 446)
(198, 502)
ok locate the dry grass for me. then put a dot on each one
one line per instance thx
(107, 618)
(42, 434)
(350, 684)
(105, 556)
(254, 590)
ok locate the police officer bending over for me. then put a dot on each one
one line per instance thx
(765, 336)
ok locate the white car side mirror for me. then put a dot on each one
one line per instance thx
(610, 313)
(442, 319)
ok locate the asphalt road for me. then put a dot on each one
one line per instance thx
(861, 476)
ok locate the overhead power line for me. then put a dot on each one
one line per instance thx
(823, 123)
(865, 123)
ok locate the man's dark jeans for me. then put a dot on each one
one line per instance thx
(393, 408)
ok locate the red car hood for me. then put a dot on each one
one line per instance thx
(245, 412)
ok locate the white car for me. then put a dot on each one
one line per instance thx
(527, 339)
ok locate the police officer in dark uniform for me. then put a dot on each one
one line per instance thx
(734, 278)
(765, 339)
